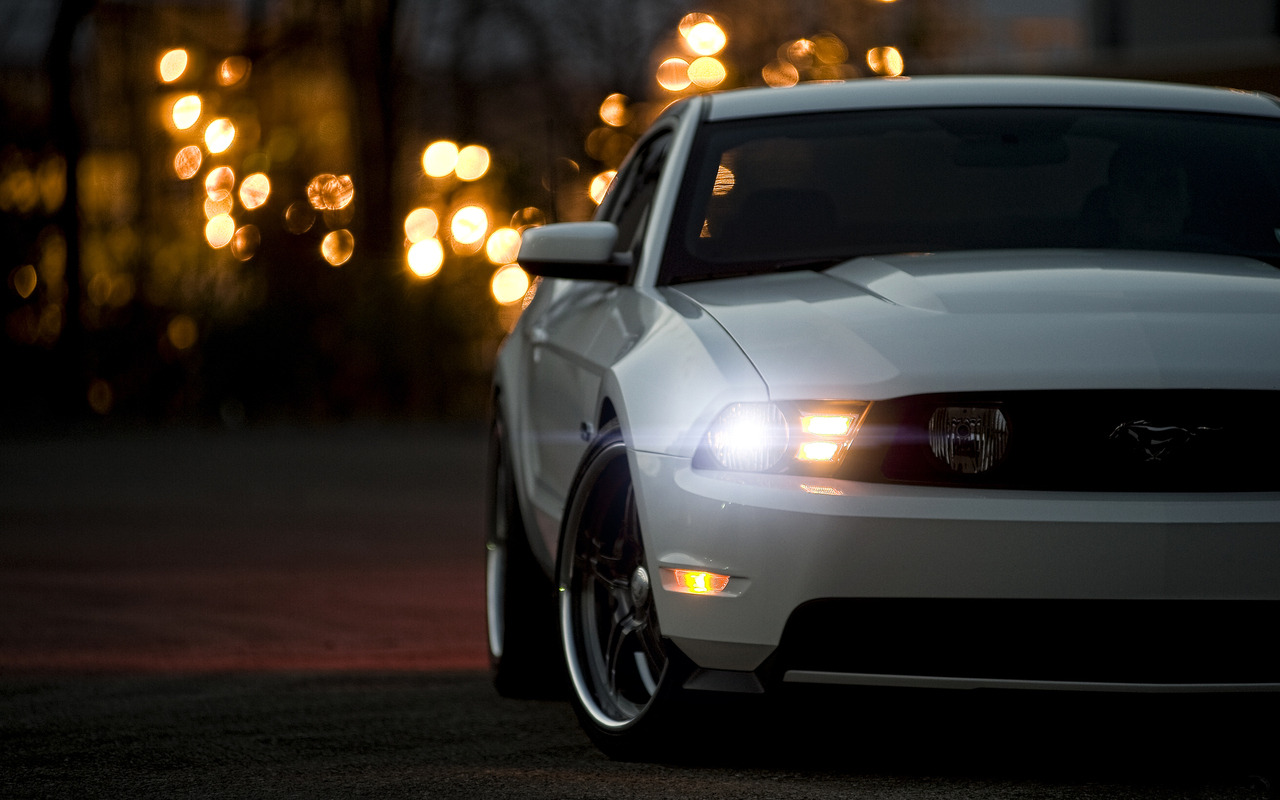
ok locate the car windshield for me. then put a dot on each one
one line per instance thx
(809, 191)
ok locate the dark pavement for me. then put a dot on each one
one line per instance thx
(298, 612)
(350, 548)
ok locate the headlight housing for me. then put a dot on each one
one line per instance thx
(803, 437)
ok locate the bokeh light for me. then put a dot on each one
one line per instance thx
(469, 225)
(232, 70)
(24, 280)
(245, 242)
(528, 217)
(329, 192)
(692, 19)
(23, 189)
(472, 162)
(111, 289)
(673, 74)
(885, 61)
(614, 111)
(707, 72)
(219, 135)
(219, 183)
(503, 246)
(800, 52)
(600, 185)
(18, 190)
(440, 158)
(219, 230)
(187, 162)
(172, 65)
(182, 332)
(315, 191)
(829, 49)
(706, 38)
(100, 396)
(216, 207)
(255, 190)
(780, 74)
(186, 111)
(45, 327)
(426, 257)
(338, 247)
(608, 145)
(299, 217)
(51, 178)
(421, 224)
(509, 284)
(339, 192)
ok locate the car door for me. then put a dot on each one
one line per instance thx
(576, 339)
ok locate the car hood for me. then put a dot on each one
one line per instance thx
(890, 326)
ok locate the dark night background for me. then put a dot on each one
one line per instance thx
(243, 386)
(117, 306)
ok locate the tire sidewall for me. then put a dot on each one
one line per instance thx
(520, 602)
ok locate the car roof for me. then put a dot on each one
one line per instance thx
(943, 91)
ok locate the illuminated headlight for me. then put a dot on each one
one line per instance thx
(776, 437)
(749, 436)
(968, 439)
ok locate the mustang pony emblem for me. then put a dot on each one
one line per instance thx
(1156, 442)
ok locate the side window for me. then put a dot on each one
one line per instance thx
(633, 194)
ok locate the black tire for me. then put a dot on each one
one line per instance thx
(624, 678)
(524, 651)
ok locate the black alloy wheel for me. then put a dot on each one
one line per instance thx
(625, 683)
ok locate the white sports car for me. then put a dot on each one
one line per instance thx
(940, 382)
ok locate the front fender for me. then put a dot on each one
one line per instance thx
(670, 383)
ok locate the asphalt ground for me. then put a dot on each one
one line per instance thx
(298, 612)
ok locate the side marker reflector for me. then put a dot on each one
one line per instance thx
(692, 581)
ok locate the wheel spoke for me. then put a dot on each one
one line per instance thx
(617, 659)
(617, 649)
(644, 669)
(605, 570)
(651, 647)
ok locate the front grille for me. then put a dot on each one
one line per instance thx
(1149, 441)
(1129, 641)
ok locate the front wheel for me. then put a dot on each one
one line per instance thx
(625, 678)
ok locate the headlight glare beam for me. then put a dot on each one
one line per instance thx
(783, 436)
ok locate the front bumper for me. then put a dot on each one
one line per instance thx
(789, 542)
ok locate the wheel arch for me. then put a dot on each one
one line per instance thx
(500, 413)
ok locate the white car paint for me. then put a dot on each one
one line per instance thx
(901, 325)
(664, 360)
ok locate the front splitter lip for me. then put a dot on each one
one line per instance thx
(931, 682)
